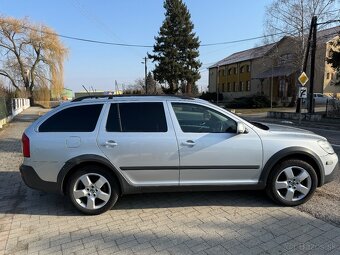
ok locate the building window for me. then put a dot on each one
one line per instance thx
(332, 76)
(234, 87)
(248, 68)
(229, 71)
(241, 86)
(248, 86)
(327, 76)
(242, 69)
(223, 72)
(235, 70)
(223, 87)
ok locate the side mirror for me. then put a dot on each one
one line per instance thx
(241, 128)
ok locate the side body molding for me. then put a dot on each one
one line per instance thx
(291, 151)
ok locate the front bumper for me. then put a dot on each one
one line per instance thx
(32, 180)
(331, 177)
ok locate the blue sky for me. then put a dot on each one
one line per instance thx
(135, 22)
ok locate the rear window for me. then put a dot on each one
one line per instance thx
(74, 119)
(137, 117)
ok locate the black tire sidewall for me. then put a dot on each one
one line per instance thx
(278, 168)
(97, 170)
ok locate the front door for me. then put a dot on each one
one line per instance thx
(139, 139)
(211, 152)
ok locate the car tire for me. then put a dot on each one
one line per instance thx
(292, 182)
(93, 189)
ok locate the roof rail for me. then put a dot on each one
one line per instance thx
(128, 95)
(91, 96)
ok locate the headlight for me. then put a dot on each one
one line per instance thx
(325, 145)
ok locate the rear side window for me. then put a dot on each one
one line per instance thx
(74, 119)
(137, 117)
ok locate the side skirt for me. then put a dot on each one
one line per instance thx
(194, 188)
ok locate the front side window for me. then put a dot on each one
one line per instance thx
(81, 118)
(194, 118)
(137, 117)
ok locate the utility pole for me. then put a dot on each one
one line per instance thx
(310, 44)
(146, 73)
(217, 83)
(312, 66)
(305, 61)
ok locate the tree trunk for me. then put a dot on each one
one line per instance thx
(30, 95)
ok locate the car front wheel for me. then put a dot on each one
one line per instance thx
(292, 182)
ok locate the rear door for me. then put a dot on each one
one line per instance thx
(139, 139)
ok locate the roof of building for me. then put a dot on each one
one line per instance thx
(327, 34)
(275, 72)
(257, 52)
(245, 55)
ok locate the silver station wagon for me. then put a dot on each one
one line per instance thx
(96, 149)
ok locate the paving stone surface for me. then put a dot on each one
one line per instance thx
(32, 222)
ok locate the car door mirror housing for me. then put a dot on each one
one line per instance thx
(241, 128)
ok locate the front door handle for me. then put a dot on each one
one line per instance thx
(110, 143)
(189, 143)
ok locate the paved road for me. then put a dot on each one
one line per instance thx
(33, 222)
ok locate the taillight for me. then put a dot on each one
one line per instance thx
(25, 146)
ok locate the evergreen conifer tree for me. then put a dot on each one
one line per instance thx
(176, 49)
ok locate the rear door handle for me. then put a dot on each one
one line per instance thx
(110, 143)
(188, 143)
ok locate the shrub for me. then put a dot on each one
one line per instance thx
(5, 101)
(249, 102)
(211, 96)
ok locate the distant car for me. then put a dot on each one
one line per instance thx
(95, 150)
(321, 99)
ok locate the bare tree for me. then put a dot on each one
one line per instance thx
(293, 18)
(31, 55)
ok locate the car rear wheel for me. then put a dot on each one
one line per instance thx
(292, 182)
(93, 190)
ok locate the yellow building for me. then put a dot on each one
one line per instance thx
(272, 70)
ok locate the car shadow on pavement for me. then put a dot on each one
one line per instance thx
(17, 198)
(188, 199)
(10, 145)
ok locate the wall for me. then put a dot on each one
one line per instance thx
(18, 105)
(329, 80)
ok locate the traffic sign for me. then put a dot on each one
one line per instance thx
(303, 78)
(302, 92)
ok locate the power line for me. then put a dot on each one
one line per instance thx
(242, 40)
(150, 46)
(142, 45)
(329, 21)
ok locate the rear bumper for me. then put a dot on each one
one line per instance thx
(331, 177)
(32, 180)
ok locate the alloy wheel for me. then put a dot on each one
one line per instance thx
(92, 191)
(293, 183)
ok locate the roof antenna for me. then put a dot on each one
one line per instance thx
(86, 90)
